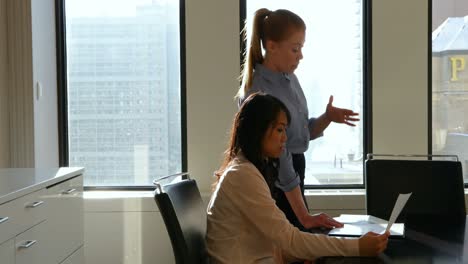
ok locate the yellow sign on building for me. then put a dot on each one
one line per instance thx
(458, 64)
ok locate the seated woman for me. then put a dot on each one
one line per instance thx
(244, 223)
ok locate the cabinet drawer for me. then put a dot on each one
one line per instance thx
(7, 227)
(22, 214)
(66, 217)
(31, 208)
(31, 246)
(7, 252)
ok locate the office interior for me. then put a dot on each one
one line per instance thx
(125, 226)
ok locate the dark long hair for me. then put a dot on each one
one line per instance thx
(257, 113)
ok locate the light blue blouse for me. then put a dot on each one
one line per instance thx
(286, 87)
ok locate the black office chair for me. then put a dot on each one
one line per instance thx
(437, 187)
(184, 215)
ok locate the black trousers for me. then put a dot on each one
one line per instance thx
(282, 201)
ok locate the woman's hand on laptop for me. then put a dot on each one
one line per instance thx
(320, 220)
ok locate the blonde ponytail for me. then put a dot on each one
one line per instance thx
(254, 52)
(267, 25)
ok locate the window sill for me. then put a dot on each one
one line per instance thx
(345, 200)
(119, 201)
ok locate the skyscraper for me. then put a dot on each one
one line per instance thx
(124, 95)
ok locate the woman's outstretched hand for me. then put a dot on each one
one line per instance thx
(372, 244)
(340, 115)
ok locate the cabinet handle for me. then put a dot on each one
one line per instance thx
(34, 204)
(3, 219)
(69, 191)
(27, 244)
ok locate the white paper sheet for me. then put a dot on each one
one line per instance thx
(358, 225)
(359, 219)
(400, 203)
(360, 228)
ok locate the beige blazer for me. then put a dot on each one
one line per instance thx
(245, 225)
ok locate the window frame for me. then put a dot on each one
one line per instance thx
(366, 85)
(62, 90)
(429, 79)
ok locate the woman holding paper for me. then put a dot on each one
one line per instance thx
(244, 225)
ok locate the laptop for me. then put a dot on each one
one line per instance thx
(358, 225)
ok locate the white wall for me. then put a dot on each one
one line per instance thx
(29, 132)
(212, 41)
(400, 88)
(45, 73)
(126, 229)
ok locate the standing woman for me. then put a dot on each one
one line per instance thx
(281, 33)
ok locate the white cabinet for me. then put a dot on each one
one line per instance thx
(7, 252)
(65, 218)
(44, 226)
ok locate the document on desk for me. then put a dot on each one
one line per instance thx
(358, 225)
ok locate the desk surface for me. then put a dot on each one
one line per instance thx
(428, 241)
(16, 182)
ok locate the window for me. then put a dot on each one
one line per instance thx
(450, 80)
(123, 90)
(332, 65)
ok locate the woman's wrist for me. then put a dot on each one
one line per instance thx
(326, 117)
(303, 218)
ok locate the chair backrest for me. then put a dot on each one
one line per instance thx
(437, 187)
(184, 215)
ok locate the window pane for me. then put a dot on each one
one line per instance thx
(123, 90)
(450, 79)
(332, 65)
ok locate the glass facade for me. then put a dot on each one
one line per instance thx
(450, 80)
(124, 107)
